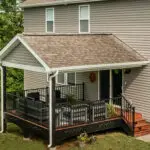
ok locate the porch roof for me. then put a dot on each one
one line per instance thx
(37, 3)
(76, 52)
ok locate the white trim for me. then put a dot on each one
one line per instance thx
(50, 107)
(50, 112)
(79, 19)
(24, 67)
(101, 66)
(7, 48)
(34, 54)
(122, 81)
(47, 20)
(75, 78)
(65, 79)
(110, 86)
(98, 79)
(57, 82)
(2, 101)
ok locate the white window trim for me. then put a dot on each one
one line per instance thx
(65, 79)
(89, 24)
(47, 20)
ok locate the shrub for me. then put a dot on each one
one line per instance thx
(111, 112)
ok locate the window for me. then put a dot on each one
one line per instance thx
(84, 19)
(60, 78)
(71, 78)
(66, 78)
(50, 20)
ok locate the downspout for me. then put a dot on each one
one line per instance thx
(49, 78)
(2, 102)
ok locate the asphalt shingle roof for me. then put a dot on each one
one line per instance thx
(78, 50)
(35, 3)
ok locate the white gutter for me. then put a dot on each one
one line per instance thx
(102, 66)
(49, 78)
(2, 102)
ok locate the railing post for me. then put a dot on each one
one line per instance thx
(47, 95)
(83, 86)
(3, 99)
(133, 119)
(121, 107)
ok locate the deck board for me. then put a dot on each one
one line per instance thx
(45, 126)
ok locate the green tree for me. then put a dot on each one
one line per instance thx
(11, 23)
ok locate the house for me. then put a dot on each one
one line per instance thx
(95, 51)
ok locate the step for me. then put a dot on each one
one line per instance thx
(141, 133)
(138, 116)
(141, 127)
(140, 120)
(142, 124)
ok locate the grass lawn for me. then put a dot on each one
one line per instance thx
(116, 141)
(13, 140)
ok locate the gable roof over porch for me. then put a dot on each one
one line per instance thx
(70, 52)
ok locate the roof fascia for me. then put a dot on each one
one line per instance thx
(102, 66)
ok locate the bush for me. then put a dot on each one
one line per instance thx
(111, 112)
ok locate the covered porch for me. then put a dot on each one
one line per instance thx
(63, 111)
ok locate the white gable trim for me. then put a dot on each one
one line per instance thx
(18, 39)
(24, 67)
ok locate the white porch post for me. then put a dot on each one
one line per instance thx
(3, 97)
(52, 102)
(110, 87)
(98, 85)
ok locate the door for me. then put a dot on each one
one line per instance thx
(104, 84)
(117, 83)
(117, 86)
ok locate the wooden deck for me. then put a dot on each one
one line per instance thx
(65, 132)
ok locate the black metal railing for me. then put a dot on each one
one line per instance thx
(62, 92)
(70, 91)
(71, 112)
(128, 112)
(27, 108)
(82, 112)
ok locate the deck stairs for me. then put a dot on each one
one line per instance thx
(141, 126)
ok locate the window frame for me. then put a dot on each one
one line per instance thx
(65, 79)
(46, 9)
(89, 27)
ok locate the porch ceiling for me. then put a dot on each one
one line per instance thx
(78, 52)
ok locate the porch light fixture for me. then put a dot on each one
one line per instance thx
(127, 71)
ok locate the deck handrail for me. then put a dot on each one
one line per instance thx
(128, 113)
(86, 111)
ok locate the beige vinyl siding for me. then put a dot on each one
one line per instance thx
(66, 19)
(34, 20)
(20, 55)
(91, 88)
(33, 80)
(137, 89)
